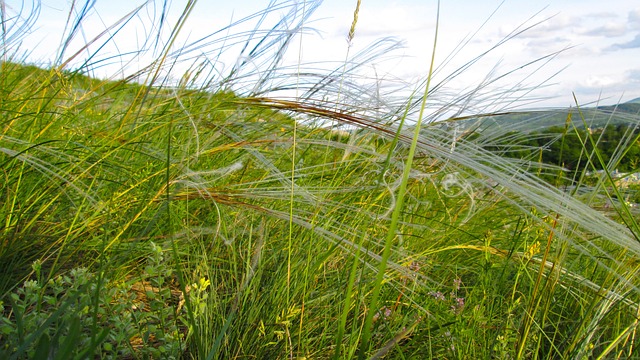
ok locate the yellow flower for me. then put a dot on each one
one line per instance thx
(532, 250)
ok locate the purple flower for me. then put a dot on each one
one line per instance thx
(414, 266)
(457, 283)
(385, 312)
(458, 305)
(437, 295)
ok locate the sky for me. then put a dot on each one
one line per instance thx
(589, 48)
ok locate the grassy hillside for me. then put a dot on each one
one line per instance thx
(539, 120)
(199, 219)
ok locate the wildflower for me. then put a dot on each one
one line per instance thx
(458, 305)
(437, 295)
(457, 283)
(31, 285)
(385, 312)
(532, 250)
(451, 338)
(414, 266)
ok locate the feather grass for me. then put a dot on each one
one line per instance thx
(341, 221)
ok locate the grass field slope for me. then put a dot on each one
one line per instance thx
(271, 212)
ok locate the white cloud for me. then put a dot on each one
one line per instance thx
(607, 30)
(633, 76)
(543, 46)
(602, 15)
(631, 44)
(610, 88)
(601, 81)
(558, 24)
(634, 18)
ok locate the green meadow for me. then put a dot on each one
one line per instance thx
(148, 218)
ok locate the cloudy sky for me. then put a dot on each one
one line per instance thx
(595, 45)
(599, 41)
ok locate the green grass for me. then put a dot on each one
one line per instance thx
(203, 220)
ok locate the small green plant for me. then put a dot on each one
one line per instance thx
(80, 314)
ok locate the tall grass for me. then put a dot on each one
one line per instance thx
(269, 211)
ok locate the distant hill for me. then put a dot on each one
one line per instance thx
(536, 120)
(632, 107)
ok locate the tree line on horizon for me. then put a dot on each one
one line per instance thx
(572, 149)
